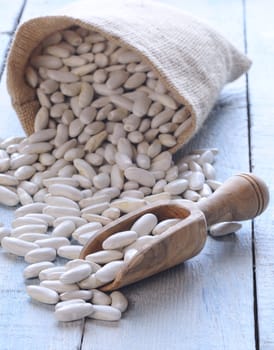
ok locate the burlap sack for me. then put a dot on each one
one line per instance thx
(193, 60)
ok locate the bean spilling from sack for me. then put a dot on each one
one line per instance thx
(100, 149)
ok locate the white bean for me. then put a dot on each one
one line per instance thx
(83, 70)
(119, 301)
(73, 312)
(8, 180)
(76, 294)
(164, 225)
(213, 184)
(224, 228)
(176, 187)
(159, 186)
(104, 256)
(95, 218)
(61, 180)
(8, 197)
(196, 180)
(116, 177)
(209, 171)
(119, 240)
(32, 237)
(17, 246)
(51, 273)
(59, 286)
(40, 254)
(92, 226)
(101, 181)
(76, 274)
(64, 229)
(157, 197)
(100, 298)
(45, 218)
(145, 224)
(75, 219)
(143, 161)
(105, 313)
(4, 164)
(129, 254)
(31, 228)
(127, 205)
(33, 270)
(4, 232)
(132, 194)
(37, 148)
(90, 282)
(62, 77)
(95, 208)
(191, 195)
(141, 176)
(66, 191)
(206, 157)
(69, 252)
(116, 79)
(61, 201)
(60, 304)
(52, 242)
(141, 243)
(108, 272)
(22, 159)
(77, 262)
(205, 191)
(42, 294)
(46, 61)
(162, 161)
(60, 211)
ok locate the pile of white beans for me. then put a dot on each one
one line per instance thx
(78, 279)
(99, 150)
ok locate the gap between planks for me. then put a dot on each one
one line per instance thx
(255, 301)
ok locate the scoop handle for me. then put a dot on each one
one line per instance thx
(241, 197)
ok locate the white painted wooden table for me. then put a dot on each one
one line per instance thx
(221, 299)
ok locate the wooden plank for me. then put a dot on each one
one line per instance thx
(35, 8)
(25, 324)
(10, 125)
(260, 35)
(10, 10)
(4, 43)
(206, 303)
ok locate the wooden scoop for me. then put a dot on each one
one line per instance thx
(241, 197)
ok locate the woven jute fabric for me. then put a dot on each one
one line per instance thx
(192, 59)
